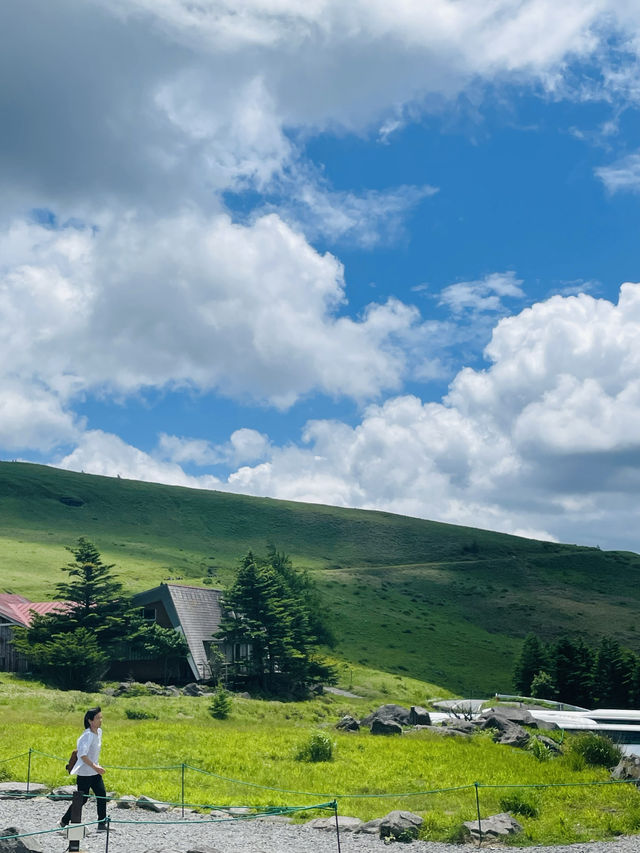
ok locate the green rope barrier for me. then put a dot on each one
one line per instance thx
(283, 810)
(13, 757)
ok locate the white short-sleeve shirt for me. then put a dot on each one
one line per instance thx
(89, 744)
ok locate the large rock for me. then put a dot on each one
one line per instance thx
(507, 733)
(29, 844)
(345, 824)
(493, 828)
(385, 727)
(371, 827)
(193, 689)
(397, 713)
(18, 790)
(627, 768)
(64, 792)
(419, 716)
(152, 805)
(465, 727)
(348, 724)
(127, 801)
(514, 715)
(401, 825)
(513, 736)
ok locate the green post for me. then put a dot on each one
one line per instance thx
(335, 812)
(29, 770)
(182, 791)
(476, 785)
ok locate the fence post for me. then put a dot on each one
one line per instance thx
(476, 785)
(108, 822)
(29, 770)
(182, 790)
(335, 813)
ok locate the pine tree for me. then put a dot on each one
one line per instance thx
(613, 674)
(95, 606)
(533, 658)
(267, 607)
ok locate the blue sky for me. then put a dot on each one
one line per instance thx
(346, 253)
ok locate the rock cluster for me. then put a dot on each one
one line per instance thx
(149, 688)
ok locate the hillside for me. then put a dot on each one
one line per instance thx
(438, 602)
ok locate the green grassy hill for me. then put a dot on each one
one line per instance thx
(437, 602)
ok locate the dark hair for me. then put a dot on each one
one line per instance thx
(90, 715)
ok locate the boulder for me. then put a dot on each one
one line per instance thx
(464, 727)
(514, 715)
(345, 824)
(18, 790)
(400, 825)
(348, 724)
(385, 727)
(152, 805)
(371, 827)
(507, 733)
(513, 736)
(29, 844)
(171, 690)
(419, 716)
(494, 828)
(627, 768)
(193, 689)
(397, 713)
(443, 731)
(64, 792)
(128, 801)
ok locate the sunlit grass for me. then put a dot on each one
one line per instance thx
(258, 745)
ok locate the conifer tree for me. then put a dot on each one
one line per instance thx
(533, 658)
(267, 608)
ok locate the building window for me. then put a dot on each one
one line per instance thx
(148, 614)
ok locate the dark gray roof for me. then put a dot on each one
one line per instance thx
(196, 610)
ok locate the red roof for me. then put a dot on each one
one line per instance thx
(17, 609)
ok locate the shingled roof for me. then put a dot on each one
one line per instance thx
(17, 609)
(193, 609)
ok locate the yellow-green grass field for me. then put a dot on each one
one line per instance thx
(257, 746)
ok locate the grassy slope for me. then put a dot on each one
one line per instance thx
(437, 602)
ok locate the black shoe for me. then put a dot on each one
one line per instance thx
(63, 825)
(102, 827)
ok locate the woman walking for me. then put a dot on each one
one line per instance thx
(88, 769)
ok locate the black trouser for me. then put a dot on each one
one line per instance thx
(96, 784)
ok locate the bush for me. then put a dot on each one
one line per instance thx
(220, 707)
(597, 750)
(539, 749)
(70, 661)
(319, 747)
(519, 803)
(139, 714)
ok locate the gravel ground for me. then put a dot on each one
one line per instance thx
(149, 835)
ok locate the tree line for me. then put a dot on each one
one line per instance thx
(569, 670)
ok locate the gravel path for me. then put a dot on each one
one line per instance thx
(239, 836)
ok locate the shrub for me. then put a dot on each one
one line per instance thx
(220, 706)
(139, 714)
(519, 803)
(319, 747)
(597, 750)
(539, 749)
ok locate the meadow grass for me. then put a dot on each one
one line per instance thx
(258, 744)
